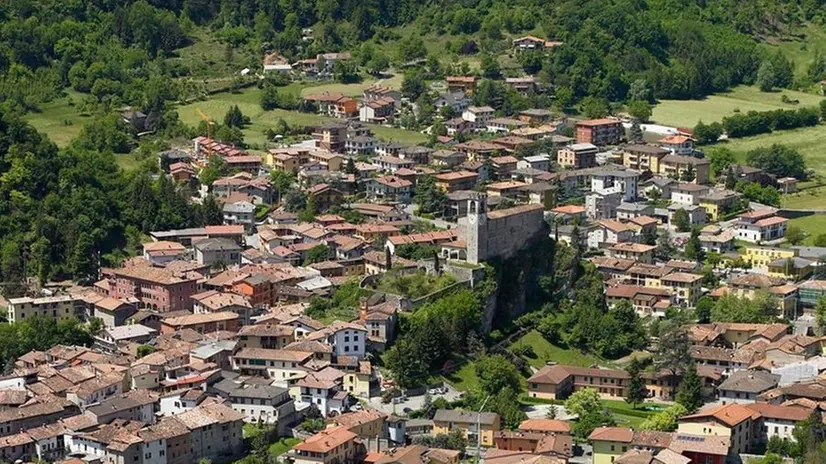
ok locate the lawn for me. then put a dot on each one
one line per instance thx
(626, 415)
(59, 119)
(546, 351)
(464, 379)
(812, 225)
(686, 113)
(814, 198)
(282, 446)
(248, 101)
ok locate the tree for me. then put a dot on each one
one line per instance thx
(820, 240)
(269, 98)
(779, 160)
(693, 247)
(688, 174)
(809, 434)
(766, 77)
(665, 420)
(820, 315)
(639, 90)
(594, 108)
(490, 67)
(720, 160)
(635, 132)
(216, 168)
(649, 236)
(636, 387)
(664, 246)
(674, 347)
(317, 254)
(583, 402)
(145, 350)
(707, 134)
(690, 392)
(413, 85)
(429, 197)
(234, 118)
(682, 220)
(795, 235)
(640, 110)
(760, 308)
(586, 424)
(495, 373)
(703, 309)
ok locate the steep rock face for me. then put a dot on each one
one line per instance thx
(519, 283)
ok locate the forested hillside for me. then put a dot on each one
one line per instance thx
(65, 212)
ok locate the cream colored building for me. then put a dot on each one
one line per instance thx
(53, 307)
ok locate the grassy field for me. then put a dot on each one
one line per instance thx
(686, 113)
(814, 198)
(206, 58)
(801, 49)
(811, 225)
(60, 119)
(808, 141)
(546, 351)
(248, 101)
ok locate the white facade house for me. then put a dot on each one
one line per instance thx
(478, 115)
(626, 183)
(346, 338)
(541, 162)
(763, 230)
(688, 194)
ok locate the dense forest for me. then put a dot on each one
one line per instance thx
(65, 212)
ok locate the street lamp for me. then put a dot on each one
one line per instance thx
(479, 430)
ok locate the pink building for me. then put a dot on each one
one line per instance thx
(156, 288)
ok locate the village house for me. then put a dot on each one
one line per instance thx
(678, 144)
(761, 226)
(465, 84)
(389, 189)
(478, 116)
(202, 323)
(675, 166)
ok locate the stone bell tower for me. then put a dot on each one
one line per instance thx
(477, 228)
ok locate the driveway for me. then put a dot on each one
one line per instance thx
(412, 402)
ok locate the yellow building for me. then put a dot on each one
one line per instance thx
(610, 443)
(685, 287)
(647, 275)
(795, 268)
(717, 203)
(759, 256)
(447, 420)
(732, 420)
(53, 307)
(643, 157)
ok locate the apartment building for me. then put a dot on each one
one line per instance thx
(643, 157)
(577, 156)
(448, 420)
(160, 289)
(53, 307)
(559, 381)
(599, 132)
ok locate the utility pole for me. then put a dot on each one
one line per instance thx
(479, 431)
